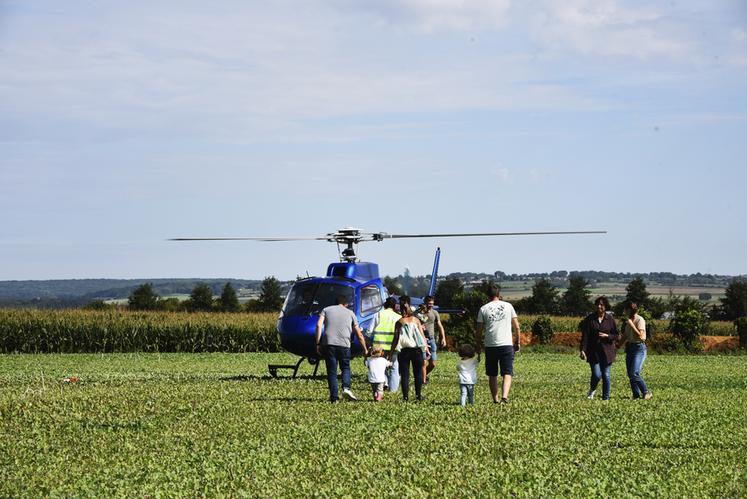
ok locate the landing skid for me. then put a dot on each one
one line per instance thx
(274, 367)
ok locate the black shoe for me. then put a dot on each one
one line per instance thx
(504, 400)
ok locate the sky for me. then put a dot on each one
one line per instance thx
(124, 124)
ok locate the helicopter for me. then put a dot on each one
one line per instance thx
(358, 281)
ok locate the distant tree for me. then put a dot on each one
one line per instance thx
(576, 299)
(447, 291)
(99, 305)
(143, 298)
(201, 299)
(735, 302)
(544, 299)
(704, 296)
(270, 297)
(636, 291)
(228, 301)
(171, 304)
(391, 284)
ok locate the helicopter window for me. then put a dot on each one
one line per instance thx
(370, 299)
(311, 297)
(327, 293)
(300, 299)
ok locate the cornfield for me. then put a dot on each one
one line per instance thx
(84, 331)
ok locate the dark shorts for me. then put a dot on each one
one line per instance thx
(499, 355)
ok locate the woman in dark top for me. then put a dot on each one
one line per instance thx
(598, 338)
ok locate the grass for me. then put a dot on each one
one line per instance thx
(213, 424)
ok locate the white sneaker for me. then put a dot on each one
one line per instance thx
(348, 394)
(590, 395)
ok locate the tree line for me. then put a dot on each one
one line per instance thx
(201, 299)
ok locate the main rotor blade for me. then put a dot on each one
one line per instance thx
(310, 238)
(479, 234)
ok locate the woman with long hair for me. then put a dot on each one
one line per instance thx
(635, 350)
(410, 343)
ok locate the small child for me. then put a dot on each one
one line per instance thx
(467, 369)
(377, 365)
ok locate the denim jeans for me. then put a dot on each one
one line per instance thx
(406, 357)
(601, 370)
(332, 355)
(393, 374)
(467, 394)
(635, 354)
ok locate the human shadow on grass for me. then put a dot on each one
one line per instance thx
(267, 377)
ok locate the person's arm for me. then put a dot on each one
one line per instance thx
(372, 325)
(395, 340)
(318, 335)
(425, 338)
(478, 337)
(640, 333)
(613, 335)
(361, 339)
(584, 339)
(517, 328)
(441, 328)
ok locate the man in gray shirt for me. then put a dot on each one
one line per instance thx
(339, 323)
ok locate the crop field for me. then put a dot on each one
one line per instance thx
(211, 424)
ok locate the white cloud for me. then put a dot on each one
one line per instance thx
(607, 28)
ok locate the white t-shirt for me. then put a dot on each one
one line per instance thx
(497, 316)
(467, 369)
(377, 369)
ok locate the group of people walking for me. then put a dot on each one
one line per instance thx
(406, 341)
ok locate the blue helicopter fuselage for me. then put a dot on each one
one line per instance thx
(359, 282)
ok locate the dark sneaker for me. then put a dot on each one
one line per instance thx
(504, 400)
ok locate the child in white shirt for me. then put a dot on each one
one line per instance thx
(377, 365)
(467, 369)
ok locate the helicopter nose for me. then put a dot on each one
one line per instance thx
(297, 334)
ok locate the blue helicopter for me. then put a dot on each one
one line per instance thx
(359, 281)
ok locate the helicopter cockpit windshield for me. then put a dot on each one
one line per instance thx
(310, 298)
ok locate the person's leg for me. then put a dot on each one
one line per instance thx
(380, 391)
(394, 374)
(606, 371)
(493, 382)
(344, 359)
(404, 370)
(417, 371)
(374, 389)
(491, 370)
(434, 357)
(640, 357)
(330, 359)
(462, 394)
(630, 360)
(506, 359)
(471, 394)
(596, 375)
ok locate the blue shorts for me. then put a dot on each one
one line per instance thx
(434, 349)
(499, 355)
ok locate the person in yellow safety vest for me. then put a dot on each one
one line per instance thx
(383, 335)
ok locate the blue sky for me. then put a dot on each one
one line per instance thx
(123, 124)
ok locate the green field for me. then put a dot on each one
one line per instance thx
(211, 424)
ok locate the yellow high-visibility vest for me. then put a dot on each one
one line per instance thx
(384, 330)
